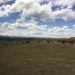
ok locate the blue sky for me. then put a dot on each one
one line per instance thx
(37, 18)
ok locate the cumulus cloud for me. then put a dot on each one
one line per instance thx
(35, 10)
(66, 14)
(74, 25)
(32, 29)
(43, 12)
(4, 1)
(64, 2)
(1, 1)
(62, 32)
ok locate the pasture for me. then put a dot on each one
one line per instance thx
(37, 57)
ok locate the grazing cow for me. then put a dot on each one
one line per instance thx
(27, 42)
(48, 41)
(63, 41)
(71, 42)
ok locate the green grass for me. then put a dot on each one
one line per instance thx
(37, 58)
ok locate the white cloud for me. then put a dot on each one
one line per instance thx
(34, 9)
(64, 2)
(44, 12)
(3, 1)
(62, 32)
(74, 25)
(32, 29)
(66, 14)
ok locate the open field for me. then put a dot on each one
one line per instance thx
(37, 57)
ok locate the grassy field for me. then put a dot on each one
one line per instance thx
(36, 58)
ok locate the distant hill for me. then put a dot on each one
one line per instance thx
(9, 38)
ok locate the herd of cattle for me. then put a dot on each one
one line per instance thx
(67, 41)
(58, 41)
(64, 41)
(46, 41)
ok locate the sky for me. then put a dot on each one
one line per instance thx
(37, 18)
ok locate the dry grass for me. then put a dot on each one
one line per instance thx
(37, 58)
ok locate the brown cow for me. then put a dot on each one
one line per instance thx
(71, 42)
(48, 41)
(27, 42)
(63, 41)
